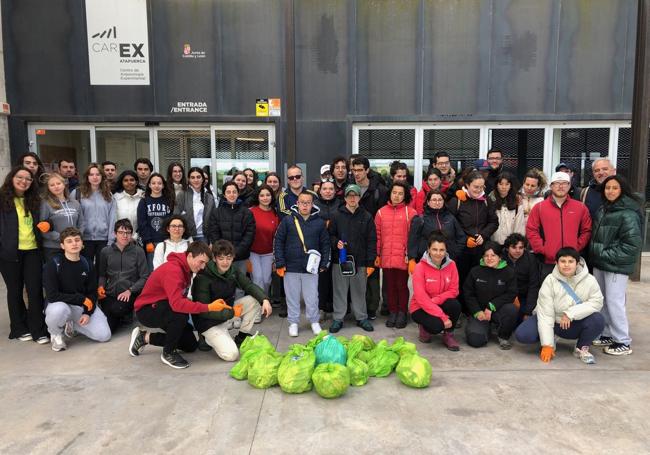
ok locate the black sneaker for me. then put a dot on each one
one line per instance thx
(174, 360)
(603, 341)
(618, 349)
(137, 342)
(390, 322)
(203, 345)
(401, 321)
(336, 326)
(365, 324)
(240, 337)
(372, 315)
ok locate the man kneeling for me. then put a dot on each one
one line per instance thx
(219, 281)
(69, 281)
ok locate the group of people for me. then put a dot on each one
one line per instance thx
(524, 260)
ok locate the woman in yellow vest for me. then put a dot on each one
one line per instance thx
(20, 255)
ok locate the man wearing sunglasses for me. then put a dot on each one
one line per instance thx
(295, 185)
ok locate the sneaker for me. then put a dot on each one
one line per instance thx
(618, 349)
(390, 322)
(68, 329)
(315, 327)
(449, 341)
(336, 326)
(25, 337)
(603, 341)
(203, 345)
(137, 343)
(58, 344)
(504, 344)
(424, 336)
(283, 312)
(584, 355)
(366, 325)
(401, 321)
(174, 359)
(372, 315)
(293, 330)
(43, 340)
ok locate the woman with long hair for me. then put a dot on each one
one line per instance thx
(20, 257)
(176, 181)
(251, 178)
(98, 211)
(177, 239)
(196, 204)
(273, 180)
(127, 196)
(266, 223)
(245, 191)
(507, 204)
(328, 204)
(156, 206)
(59, 212)
(432, 182)
(613, 252)
(532, 191)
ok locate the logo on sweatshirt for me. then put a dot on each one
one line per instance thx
(478, 280)
(500, 283)
(84, 274)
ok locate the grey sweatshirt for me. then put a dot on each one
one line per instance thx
(69, 215)
(98, 215)
(122, 270)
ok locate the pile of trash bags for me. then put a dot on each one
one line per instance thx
(329, 364)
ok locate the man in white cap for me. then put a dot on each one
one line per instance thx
(325, 173)
(558, 222)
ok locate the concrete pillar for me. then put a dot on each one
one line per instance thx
(5, 155)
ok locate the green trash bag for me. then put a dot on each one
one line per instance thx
(414, 371)
(368, 342)
(364, 356)
(263, 370)
(240, 370)
(256, 342)
(382, 360)
(317, 339)
(343, 340)
(358, 368)
(331, 380)
(402, 347)
(296, 368)
(330, 350)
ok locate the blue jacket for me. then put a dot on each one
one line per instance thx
(287, 246)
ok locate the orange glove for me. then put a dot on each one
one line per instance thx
(249, 266)
(44, 226)
(101, 293)
(218, 305)
(88, 304)
(517, 303)
(149, 247)
(378, 261)
(411, 266)
(471, 242)
(369, 270)
(281, 271)
(547, 353)
(461, 195)
(237, 309)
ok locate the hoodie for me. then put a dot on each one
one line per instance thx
(99, 216)
(69, 215)
(433, 285)
(122, 270)
(170, 282)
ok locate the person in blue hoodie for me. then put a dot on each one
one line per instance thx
(302, 250)
(156, 206)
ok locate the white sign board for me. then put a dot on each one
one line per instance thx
(118, 42)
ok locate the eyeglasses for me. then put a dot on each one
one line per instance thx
(124, 232)
(294, 177)
(176, 226)
(23, 179)
(443, 163)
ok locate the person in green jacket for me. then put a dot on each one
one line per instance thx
(220, 280)
(613, 251)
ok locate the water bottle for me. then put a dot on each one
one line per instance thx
(343, 254)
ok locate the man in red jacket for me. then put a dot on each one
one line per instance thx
(557, 222)
(163, 304)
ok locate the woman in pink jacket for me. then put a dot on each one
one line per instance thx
(435, 288)
(393, 222)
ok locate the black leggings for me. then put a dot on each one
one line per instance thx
(178, 331)
(434, 324)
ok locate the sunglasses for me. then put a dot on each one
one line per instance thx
(294, 177)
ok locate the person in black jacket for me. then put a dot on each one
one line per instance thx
(69, 281)
(526, 269)
(495, 161)
(20, 255)
(436, 217)
(352, 228)
(233, 221)
(328, 204)
(490, 290)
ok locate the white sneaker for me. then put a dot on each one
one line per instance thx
(584, 355)
(58, 344)
(293, 330)
(25, 337)
(68, 329)
(315, 327)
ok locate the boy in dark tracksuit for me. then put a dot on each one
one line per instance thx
(69, 282)
(490, 290)
(123, 271)
(219, 280)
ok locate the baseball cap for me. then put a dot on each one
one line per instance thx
(562, 165)
(352, 188)
(324, 168)
(560, 177)
(481, 165)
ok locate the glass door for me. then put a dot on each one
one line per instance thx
(54, 144)
(122, 147)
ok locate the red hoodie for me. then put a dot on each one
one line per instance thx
(169, 282)
(433, 285)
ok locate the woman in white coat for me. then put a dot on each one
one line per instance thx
(127, 197)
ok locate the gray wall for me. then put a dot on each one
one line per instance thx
(365, 60)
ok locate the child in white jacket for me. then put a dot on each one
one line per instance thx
(568, 306)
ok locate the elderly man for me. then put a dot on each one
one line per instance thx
(591, 195)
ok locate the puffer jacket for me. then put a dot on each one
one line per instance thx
(510, 222)
(476, 216)
(435, 220)
(616, 237)
(233, 222)
(288, 247)
(327, 208)
(553, 301)
(433, 285)
(392, 224)
(126, 206)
